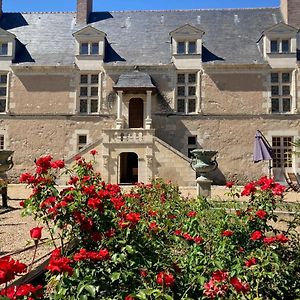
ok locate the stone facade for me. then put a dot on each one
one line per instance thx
(68, 109)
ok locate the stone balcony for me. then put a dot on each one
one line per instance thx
(128, 136)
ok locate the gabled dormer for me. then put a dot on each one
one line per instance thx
(90, 47)
(280, 45)
(7, 47)
(186, 46)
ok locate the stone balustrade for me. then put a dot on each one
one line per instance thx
(131, 135)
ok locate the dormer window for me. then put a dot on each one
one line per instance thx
(3, 49)
(280, 46)
(89, 49)
(187, 47)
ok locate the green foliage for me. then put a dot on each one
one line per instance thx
(162, 246)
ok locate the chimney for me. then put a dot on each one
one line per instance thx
(1, 11)
(84, 8)
(290, 10)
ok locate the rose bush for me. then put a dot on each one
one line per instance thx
(150, 243)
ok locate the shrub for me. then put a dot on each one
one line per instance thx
(150, 243)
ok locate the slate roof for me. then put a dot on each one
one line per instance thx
(141, 37)
(134, 80)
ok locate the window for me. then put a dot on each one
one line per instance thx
(4, 49)
(88, 93)
(282, 151)
(1, 142)
(3, 92)
(280, 46)
(187, 47)
(82, 141)
(281, 99)
(89, 49)
(186, 92)
(192, 142)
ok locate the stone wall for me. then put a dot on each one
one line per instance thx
(42, 93)
(233, 137)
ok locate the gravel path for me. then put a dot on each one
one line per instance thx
(15, 236)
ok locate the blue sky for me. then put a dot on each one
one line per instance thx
(103, 5)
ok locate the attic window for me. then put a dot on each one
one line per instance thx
(4, 49)
(186, 47)
(280, 46)
(89, 48)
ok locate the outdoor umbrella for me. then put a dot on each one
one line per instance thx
(262, 150)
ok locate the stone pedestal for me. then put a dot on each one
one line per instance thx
(203, 186)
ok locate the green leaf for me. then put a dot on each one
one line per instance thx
(129, 249)
(115, 276)
(83, 297)
(91, 289)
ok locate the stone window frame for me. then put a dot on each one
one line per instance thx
(2, 141)
(282, 151)
(186, 98)
(80, 144)
(4, 53)
(4, 86)
(280, 84)
(89, 96)
(279, 42)
(186, 50)
(89, 48)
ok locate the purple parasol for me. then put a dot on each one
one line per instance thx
(262, 149)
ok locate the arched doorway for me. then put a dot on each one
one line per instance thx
(128, 168)
(136, 113)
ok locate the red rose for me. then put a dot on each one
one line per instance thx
(249, 189)
(58, 164)
(198, 239)
(143, 273)
(256, 235)
(227, 233)
(36, 233)
(192, 214)
(282, 238)
(133, 218)
(26, 178)
(178, 232)
(240, 286)
(220, 275)
(93, 152)
(261, 214)
(270, 240)
(229, 184)
(278, 189)
(250, 262)
(22, 203)
(152, 213)
(165, 279)
(129, 298)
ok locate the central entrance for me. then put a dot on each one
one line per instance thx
(128, 168)
(136, 113)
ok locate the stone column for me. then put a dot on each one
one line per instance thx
(119, 121)
(148, 121)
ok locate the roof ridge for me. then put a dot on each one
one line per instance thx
(39, 12)
(152, 10)
(196, 9)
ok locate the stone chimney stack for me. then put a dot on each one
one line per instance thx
(290, 10)
(84, 8)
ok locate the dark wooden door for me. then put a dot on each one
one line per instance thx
(136, 113)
